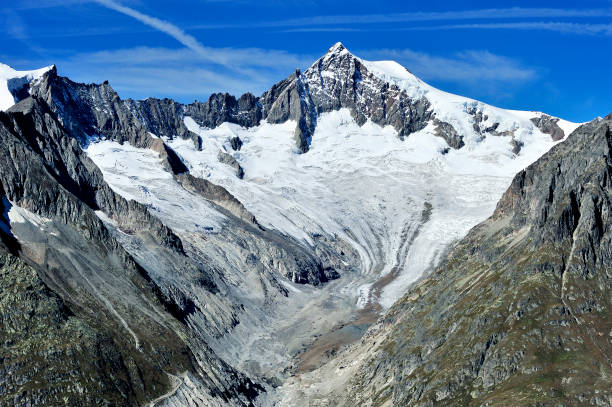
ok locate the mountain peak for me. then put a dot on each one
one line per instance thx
(337, 46)
(13, 83)
(336, 50)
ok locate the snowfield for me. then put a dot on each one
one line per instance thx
(367, 186)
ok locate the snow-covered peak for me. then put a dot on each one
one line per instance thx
(378, 90)
(13, 81)
(337, 48)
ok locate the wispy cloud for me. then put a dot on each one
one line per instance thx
(43, 4)
(193, 71)
(13, 25)
(234, 57)
(183, 73)
(470, 65)
(480, 74)
(237, 59)
(563, 27)
(197, 70)
(324, 29)
(459, 15)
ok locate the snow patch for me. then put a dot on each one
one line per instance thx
(20, 215)
(138, 174)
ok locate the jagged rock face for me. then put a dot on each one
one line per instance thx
(337, 80)
(522, 308)
(236, 143)
(89, 110)
(86, 106)
(222, 107)
(31, 130)
(95, 111)
(449, 134)
(162, 117)
(228, 159)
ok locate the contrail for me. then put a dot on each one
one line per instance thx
(161, 25)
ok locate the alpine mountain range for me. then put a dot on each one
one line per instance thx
(351, 237)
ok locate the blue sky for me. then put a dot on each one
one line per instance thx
(530, 55)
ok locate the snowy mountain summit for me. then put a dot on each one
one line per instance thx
(386, 93)
(14, 83)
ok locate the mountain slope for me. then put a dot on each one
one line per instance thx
(51, 192)
(359, 180)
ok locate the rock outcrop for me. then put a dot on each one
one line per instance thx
(337, 80)
(228, 159)
(548, 125)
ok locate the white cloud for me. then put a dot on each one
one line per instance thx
(182, 73)
(13, 25)
(471, 65)
(563, 27)
(458, 15)
(235, 58)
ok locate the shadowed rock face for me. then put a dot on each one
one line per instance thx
(449, 134)
(162, 117)
(335, 81)
(96, 109)
(521, 309)
(228, 159)
(89, 110)
(222, 107)
(31, 130)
